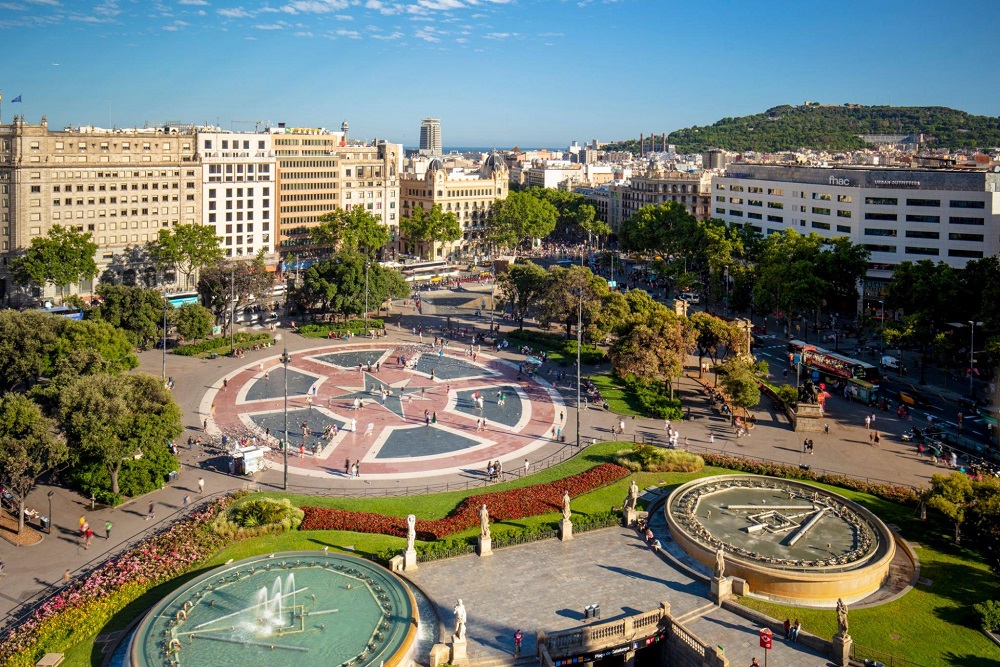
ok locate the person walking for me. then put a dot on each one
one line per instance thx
(796, 629)
(152, 511)
(788, 628)
(88, 535)
(754, 663)
(868, 421)
(201, 486)
(527, 467)
(107, 530)
(518, 639)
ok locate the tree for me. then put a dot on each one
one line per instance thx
(111, 343)
(715, 337)
(951, 495)
(27, 448)
(186, 248)
(339, 284)
(560, 301)
(653, 347)
(62, 257)
(353, 230)
(520, 218)
(108, 418)
(220, 283)
(785, 276)
(192, 321)
(434, 225)
(522, 285)
(665, 229)
(25, 340)
(135, 310)
(740, 378)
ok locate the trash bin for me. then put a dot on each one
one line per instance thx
(172, 476)
(596, 611)
(587, 610)
(44, 522)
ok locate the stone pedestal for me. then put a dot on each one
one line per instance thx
(629, 517)
(410, 560)
(808, 418)
(840, 652)
(722, 589)
(459, 651)
(440, 655)
(565, 530)
(484, 547)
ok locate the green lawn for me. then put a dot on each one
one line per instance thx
(929, 626)
(620, 400)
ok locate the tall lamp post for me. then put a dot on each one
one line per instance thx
(163, 363)
(232, 312)
(48, 528)
(972, 357)
(367, 262)
(579, 344)
(285, 359)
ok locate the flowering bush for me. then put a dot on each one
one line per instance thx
(896, 493)
(85, 606)
(502, 505)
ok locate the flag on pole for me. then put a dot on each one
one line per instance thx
(16, 99)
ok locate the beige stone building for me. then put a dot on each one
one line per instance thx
(468, 194)
(121, 185)
(657, 187)
(319, 171)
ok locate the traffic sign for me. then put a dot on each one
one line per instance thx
(765, 639)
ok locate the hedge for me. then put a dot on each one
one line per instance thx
(242, 340)
(355, 327)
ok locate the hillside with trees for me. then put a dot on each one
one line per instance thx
(830, 127)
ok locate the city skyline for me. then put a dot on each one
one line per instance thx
(496, 72)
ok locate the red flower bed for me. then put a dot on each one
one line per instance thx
(502, 505)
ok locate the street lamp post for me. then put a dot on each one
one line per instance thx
(163, 363)
(232, 312)
(48, 528)
(579, 344)
(972, 357)
(367, 262)
(285, 359)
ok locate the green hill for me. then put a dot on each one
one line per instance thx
(833, 128)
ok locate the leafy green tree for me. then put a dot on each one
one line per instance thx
(27, 448)
(740, 377)
(433, 225)
(522, 285)
(560, 301)
(345, 272)
(952, 495)
(135, 310)
(110, 418)
(665, 229)
(192, 321)
(715, 337)
(220, 283)
(25, 340)
(354, 230)
(111, 343)
(786, 279)
(186, 248)
(62, 257)
(840, 265)
(653, 347)
(520, 218)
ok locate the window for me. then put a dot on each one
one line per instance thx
(736, 188)
(820, 225)
(844, 229)
(922, 218)
(776, 192)
(971, 254)
(775, 204)
(208, 145)
(843, 214)
(959, 203)
(880, 216)
(881, 201)
(957, 220)
(918, 250)
(720, 199)
(735, 200)
(754, 216)
(913, 234)
(845, 199)
(880, 248)
(720, 211)
(821, 211)
(870, 231)
(822, 196)
(754, 202)
(738, 214)
(977, 238)
(775, 218)
(923, 202)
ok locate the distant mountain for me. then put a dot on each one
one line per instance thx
(828, 127)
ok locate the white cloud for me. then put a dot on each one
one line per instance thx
(390, 37)
(462, 40)
(250, 39)
(235, 13)
(427, 34)
(269, 26)
(315, 6)
(350, 34)
(12, 6)
(198, 3)
(344, 17)
(305, 33)
(441, 5)
(551, 34)
(50, 3)
(502, 35)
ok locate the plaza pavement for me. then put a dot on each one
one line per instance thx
(33, 572)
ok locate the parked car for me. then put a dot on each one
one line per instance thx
(690, 297)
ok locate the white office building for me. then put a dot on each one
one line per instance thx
(238, 190)
(899, 215)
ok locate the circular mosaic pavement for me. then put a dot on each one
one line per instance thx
(401, 411)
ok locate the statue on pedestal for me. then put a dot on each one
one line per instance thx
(411, 530)
(633, 496)
(808, 393)
(720, 564)
(460, 620)
(565, 505)
(484, 524)
(841, 618)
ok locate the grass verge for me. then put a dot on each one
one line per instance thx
(620, 399)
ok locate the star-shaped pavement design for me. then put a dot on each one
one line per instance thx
(393, 403)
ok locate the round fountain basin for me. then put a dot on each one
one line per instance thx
(293, 609)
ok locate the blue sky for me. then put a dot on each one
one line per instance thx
(496, 72)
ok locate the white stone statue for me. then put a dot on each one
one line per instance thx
(565, 505)
(460, 620)
(720, 564)
(633, 496)
(484, 523)
(841, 618)
(411, 530)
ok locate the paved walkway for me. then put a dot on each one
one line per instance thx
(544, 586)
(35, 571)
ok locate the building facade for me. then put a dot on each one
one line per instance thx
(239, 191)
(430, 137)
(123, 186)
(898, 215)
(468, 194)
(658, 187)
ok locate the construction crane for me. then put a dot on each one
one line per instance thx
(256, 123)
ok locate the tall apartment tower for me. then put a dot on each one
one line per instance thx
(430, 136)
